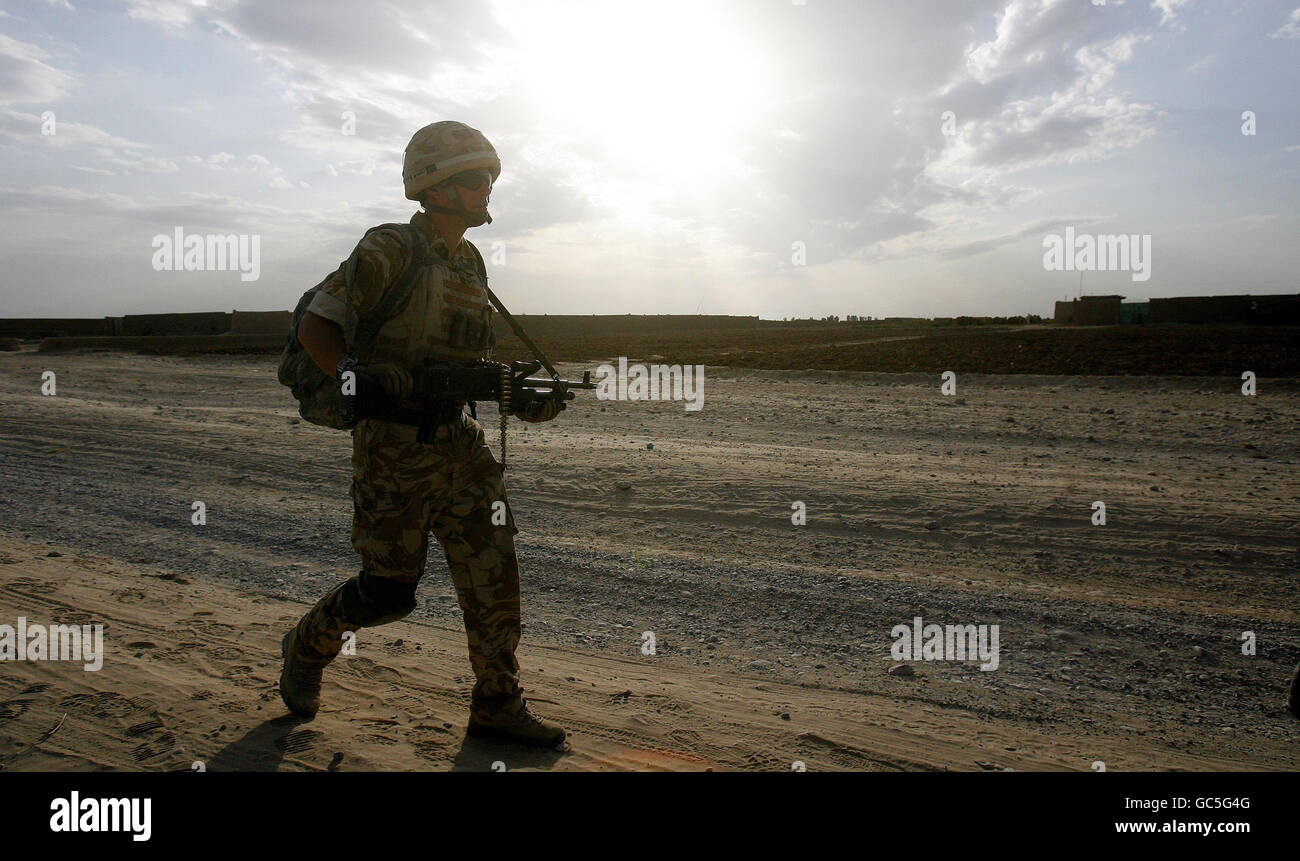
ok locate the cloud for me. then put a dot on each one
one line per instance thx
(81, 140)
(26, 128)
(1289, 30)
(1037, 228)
(254, 164)
(1169, 9)
(855, 164)
(409, 65)
(94, 170)
(537, 200)
(1040, 92)
(216, 161)
(24, 76)
(169, 13)
(145, 164)
(358, 167)
(219, 212)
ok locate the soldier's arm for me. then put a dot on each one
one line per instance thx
(321, 330)
(323, 341)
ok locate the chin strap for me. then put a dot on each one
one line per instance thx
(471, 218)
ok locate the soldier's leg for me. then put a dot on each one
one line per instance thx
(478, 539)
(389, 531)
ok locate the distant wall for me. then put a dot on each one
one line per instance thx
(142, 325)
(277, 323)
(50, 327)
(551, 325)
(174, 345)
(1281, 309)
(1089, 311)
(1135, 313)
(260, 322)
(205, 323)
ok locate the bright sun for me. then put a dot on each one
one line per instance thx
(663, 88)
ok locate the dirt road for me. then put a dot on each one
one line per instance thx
(1120, 643)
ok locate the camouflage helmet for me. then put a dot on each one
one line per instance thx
(440, 150)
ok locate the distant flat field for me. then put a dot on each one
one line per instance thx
(1165, 350)
(1172, 350)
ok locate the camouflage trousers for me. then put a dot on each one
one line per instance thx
(401, 491)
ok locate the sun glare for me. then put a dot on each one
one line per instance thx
(664, 89)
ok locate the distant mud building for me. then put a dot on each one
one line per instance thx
(1279, 310)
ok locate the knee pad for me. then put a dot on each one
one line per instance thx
(369, 601)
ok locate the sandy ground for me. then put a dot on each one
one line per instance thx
(1119, 643)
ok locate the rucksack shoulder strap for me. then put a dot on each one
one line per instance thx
(364, 330)
(478, 261)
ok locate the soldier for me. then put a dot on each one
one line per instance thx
(403, 489)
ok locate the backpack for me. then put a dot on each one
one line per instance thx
(317, 393)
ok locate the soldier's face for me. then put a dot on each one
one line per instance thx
(474, 198)
(468, 195)
(476, 202)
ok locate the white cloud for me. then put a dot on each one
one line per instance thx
(359, 167)
(26, 128)
(1289, 30)
(1035, 229)
(146, 164)
(1040, 92)
(216, 161)
(24, 76)
(1027, 98)
(94, 170)
(1169, 9)
(82, 141)
(197, 208)
(170, 13)
(253, 163)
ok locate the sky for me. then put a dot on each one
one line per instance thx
(759, 157)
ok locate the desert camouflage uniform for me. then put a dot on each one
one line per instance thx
(402, 489)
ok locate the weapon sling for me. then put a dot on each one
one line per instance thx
(504, 403)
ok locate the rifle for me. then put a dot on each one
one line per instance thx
(509, 385)
(439, 385)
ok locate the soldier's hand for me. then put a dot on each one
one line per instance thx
(395, 380)
(541, 410)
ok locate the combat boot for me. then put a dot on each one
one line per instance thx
(517, 724)
(299, 683)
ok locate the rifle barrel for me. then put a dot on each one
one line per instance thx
(550, 384)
